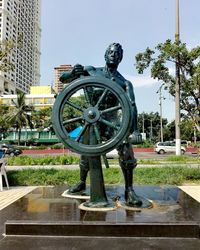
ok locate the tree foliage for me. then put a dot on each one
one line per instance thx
(19, 114)
(6, 48)
(4, 124)
(160, 61)
(41, 119)
(70, 112)
(150, 123)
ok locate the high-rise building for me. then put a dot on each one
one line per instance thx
(21, 18)
(58, 85)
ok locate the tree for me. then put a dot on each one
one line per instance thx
(151, 124)
(6, 47)
(159, 62)
(19, 114)
(41, 119)
(4, 124)
(169, 131)
(187, 129)
(70, 112)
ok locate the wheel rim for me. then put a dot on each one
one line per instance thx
(99, 109)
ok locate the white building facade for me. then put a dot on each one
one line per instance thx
(21, 18)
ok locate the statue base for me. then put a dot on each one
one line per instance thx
(45, 219)
(97, 206)
(114, 202)
(146, 203)
(84, 195)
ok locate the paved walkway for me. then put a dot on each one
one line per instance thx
(193, 191)
(8, 196)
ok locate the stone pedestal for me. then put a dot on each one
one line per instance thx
(44, 212)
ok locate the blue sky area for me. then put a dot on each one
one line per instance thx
(80, 31)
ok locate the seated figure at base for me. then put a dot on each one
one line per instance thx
(127, 161)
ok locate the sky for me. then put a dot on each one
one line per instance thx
(80, 31)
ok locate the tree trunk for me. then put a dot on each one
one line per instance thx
(19, 136)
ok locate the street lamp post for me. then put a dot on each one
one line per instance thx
(177, 87)
(160, 103)
(151, 130)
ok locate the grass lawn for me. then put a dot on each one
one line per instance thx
(142, 176)
(166, 175)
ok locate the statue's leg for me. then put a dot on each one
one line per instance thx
(84, 168)
(127, 163)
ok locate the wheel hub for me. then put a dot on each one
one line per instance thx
(91, 114)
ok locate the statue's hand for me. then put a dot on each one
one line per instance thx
(78, 70)
(73, 74)
(135, 138)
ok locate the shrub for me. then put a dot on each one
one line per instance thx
(24, 160)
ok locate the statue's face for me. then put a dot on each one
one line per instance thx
(113, 55)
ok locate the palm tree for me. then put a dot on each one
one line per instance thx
(19, 114)
(4, 125)
(42, 118)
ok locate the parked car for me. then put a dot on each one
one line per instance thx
(184, 143)
(10, 149)
(167, 147)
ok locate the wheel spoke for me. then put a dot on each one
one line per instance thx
(81, 133)
(87, 96)
(111, 109)
(73, 120)
(74, 105)
(97, 134)
(92, 137)
(110, 124)
(101, 97)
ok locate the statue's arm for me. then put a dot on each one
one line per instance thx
(131, 95)
(66, 76)
(75, 73)
(135, 136)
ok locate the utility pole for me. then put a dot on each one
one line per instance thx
(177, 87)
(160, 103)
(151, 130)
(195, 136)
(143, 123)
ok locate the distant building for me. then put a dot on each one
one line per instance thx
(58, 72)
(21, 17)
(40, 97)
(38, 90)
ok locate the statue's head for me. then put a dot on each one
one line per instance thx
(114, 54)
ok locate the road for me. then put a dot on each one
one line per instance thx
(140, 153)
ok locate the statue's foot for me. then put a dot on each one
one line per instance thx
(132, 199)
(77, 188)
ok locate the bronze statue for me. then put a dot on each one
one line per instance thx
(127, 161)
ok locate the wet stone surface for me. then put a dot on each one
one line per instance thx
(173, 221)
(45, 212)
(46, 204)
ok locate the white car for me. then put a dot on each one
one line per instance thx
(167, 147)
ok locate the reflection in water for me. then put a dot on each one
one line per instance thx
(47, 204)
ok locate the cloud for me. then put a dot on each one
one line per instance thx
(172, 71)
(145, 80)
(141, 81)
(192, 44)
